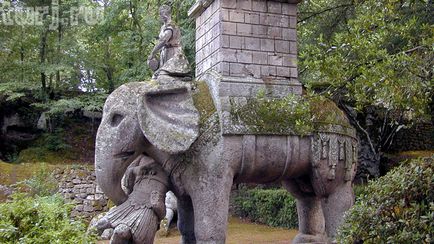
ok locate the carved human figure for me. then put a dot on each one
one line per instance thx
(172, 58)
(136, 220)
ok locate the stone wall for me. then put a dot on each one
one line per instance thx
(79, 185)
(418, 137)
(240, 38)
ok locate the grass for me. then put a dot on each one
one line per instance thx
(11, 173)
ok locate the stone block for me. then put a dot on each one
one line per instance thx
(293, 47)
(259, 6)
(252, 43)
(236, 42)
(274, 32)
(244, 29)
(229, 4)
(88, 208)
(289, 9)
(251, 18)
(294, 72)
(274, 7)
(254, 70)
(79, 208)
(76, 181)
(228, 55)
(289, 34)
(267, 45)
(292, 22)
(229, 28)
(283, 71)
(222, 68)
(268, 70)
(90, 190)
(281, 46)
(259, 30)
(245, 5)
(236, 16)
(275, 60)
(236, 69)
(225, 41)
(244, 57)
(224, 13)
(260, 58)
(290, 60)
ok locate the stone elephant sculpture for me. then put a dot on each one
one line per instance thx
(167, 123)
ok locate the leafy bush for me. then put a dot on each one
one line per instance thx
(40, 220)
(274, 207)
(396, 208)
(42, 183)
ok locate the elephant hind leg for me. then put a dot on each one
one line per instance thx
(310, 213)
(335, 205)
(186, 220)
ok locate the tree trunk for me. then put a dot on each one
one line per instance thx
(42, 57)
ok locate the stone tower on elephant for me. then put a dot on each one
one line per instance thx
(242, 120)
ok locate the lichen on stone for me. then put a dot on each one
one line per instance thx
(203, 101)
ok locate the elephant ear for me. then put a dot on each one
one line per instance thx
(169, 119)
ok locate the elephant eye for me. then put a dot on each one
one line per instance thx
(116, 119)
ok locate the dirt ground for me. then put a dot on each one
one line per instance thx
(243, 232)
(239, 232)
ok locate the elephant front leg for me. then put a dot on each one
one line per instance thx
(211, 205)
(311, 223)
(186, 220)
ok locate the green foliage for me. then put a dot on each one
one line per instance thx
(396, 208)
(42, 183)
(40, 220)
(275, 207)
(383, 57)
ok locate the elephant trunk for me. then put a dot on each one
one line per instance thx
(115, 149)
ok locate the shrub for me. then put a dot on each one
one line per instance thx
(396, 208)
(275, 207)
(40, 220)
(42, 183)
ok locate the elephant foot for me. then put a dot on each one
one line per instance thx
(304, 238)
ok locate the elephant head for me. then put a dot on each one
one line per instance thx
(137, 114)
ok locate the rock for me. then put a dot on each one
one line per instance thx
(79, 208)
(6, 191)
(76, 181)
(107, 234)
(42, 122)
(88, 208)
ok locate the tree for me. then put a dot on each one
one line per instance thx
(374, 58)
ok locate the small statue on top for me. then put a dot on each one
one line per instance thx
(173, 62)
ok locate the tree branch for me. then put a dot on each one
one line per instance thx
(323, 11)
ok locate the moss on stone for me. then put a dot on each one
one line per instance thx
(325, 111)
(203, 101)
(293, 113)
